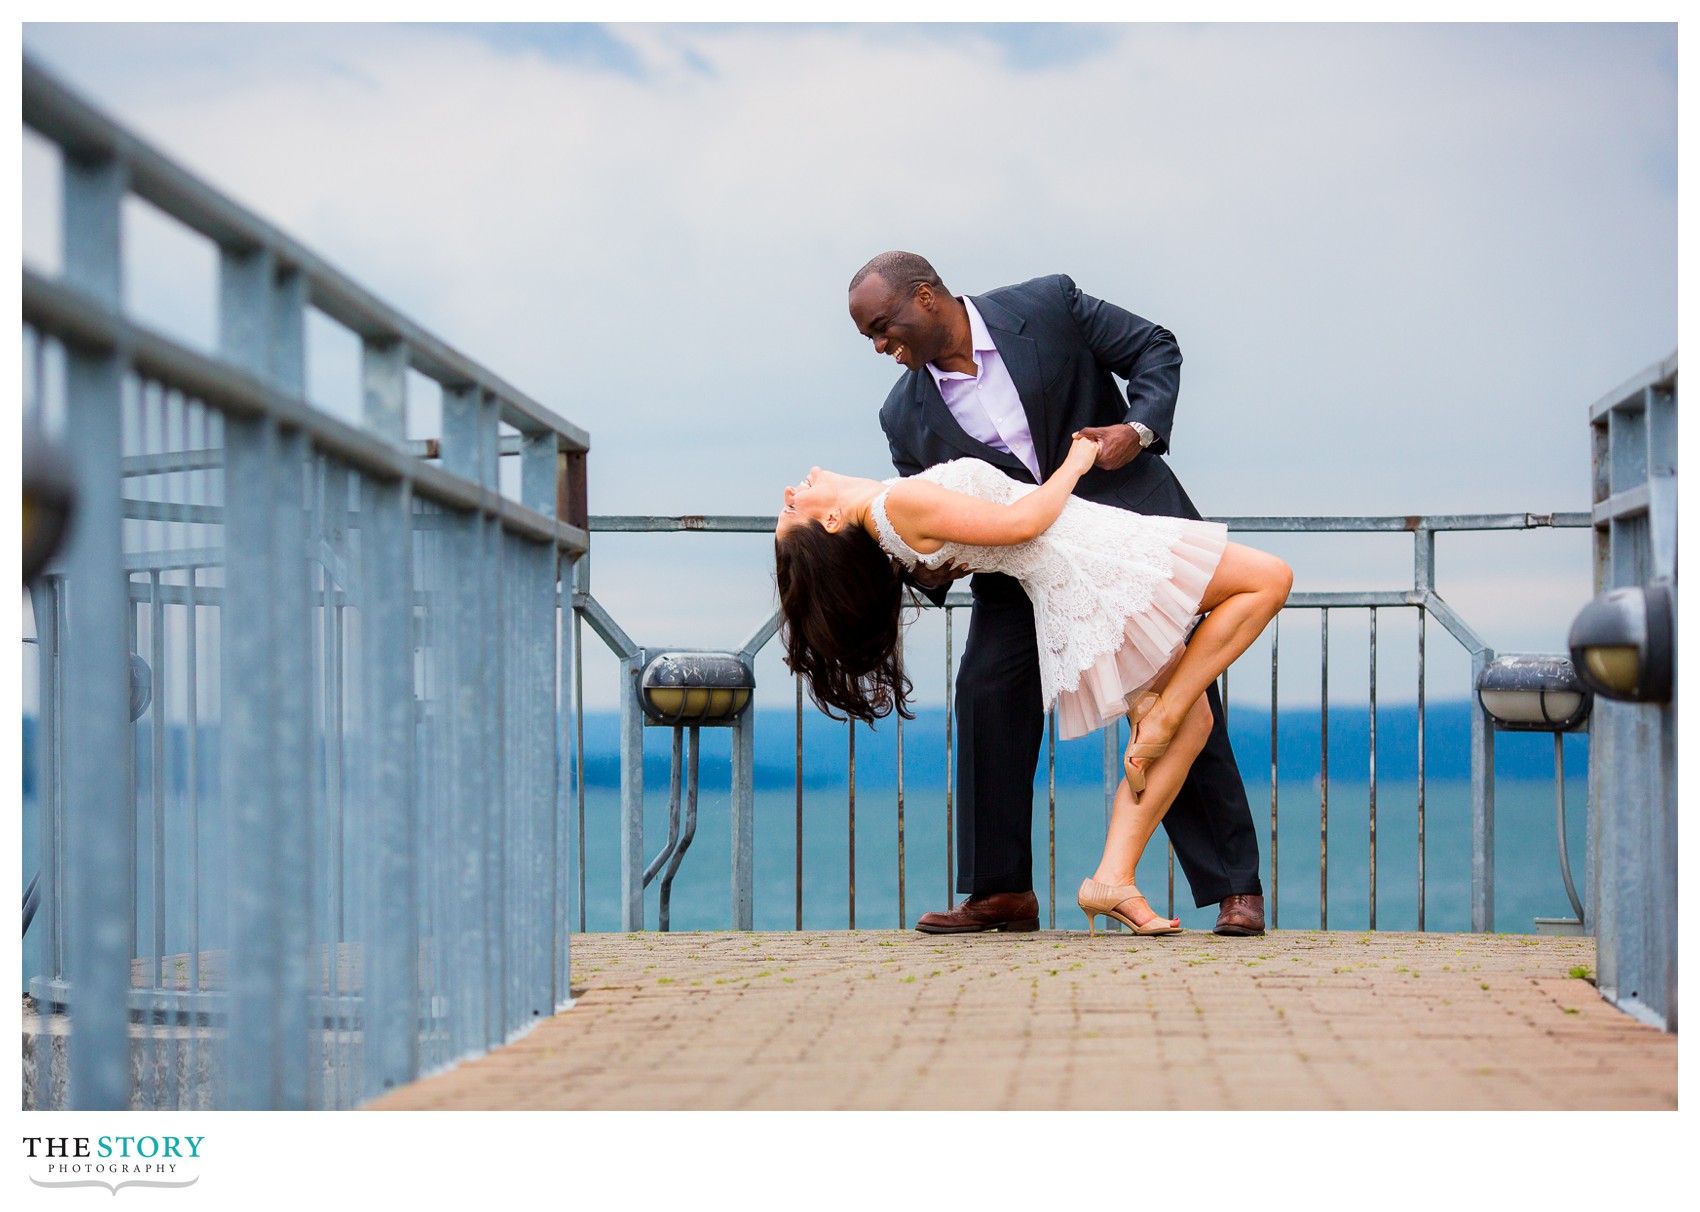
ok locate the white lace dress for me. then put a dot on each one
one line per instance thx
(1114, 593)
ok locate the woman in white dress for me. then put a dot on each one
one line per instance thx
(1114, 595)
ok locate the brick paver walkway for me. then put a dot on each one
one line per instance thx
(1057, 1020)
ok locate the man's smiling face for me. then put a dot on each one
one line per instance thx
(905, 324)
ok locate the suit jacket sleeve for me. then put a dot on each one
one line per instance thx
(1143, 353)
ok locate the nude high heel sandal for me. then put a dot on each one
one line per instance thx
(1095, 898)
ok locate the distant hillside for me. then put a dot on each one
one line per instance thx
(825, 747)
(1079, 763)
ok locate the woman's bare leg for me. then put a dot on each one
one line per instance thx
(1132, 822)
(1247, 591)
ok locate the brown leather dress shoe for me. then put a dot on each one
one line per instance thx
(1009, 911)
(1241, 913)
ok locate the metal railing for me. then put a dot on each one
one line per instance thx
(330, 854)
(1420, 597)
(1633, 833)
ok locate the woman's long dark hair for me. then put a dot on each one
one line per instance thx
(841, 601)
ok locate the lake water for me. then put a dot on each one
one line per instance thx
(1529, 883)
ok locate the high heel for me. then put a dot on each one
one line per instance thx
(1095, 898)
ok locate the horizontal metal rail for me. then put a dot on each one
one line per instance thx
(1255, 524)
(73, 317)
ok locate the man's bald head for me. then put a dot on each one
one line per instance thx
(902, 271)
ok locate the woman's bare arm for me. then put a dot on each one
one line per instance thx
(928, 516)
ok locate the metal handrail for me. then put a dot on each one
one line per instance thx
(1421, 596)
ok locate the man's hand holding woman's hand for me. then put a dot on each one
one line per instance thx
(1117, 444)
(1083, 453)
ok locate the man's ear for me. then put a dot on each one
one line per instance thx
(923, 296)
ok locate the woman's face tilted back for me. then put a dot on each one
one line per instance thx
(817, 496)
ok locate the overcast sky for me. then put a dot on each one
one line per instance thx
(1401, 261)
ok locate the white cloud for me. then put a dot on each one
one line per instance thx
(1401, 261)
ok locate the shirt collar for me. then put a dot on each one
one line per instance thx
(977, 336)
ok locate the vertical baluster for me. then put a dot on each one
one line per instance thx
(336, 930)
(132, 758)
(101, 904)
(152, 540)
(744, 819)
(797, 874)
(494, 692)
(851, 847)
(390, 945)
(902, 909)
(177, 439)
(1372, 724)
(1274, 773)
(578, 748)
(1112, 779)
(1323, 827)
(949, 763)
(1051, 812)
(320, 1055)
(160, 532)
(156, 771)
(1422, 767)
(1112, 772)
(194, 493)
(44, 598)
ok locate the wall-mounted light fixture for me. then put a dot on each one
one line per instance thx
(1533, 694)
(1624, 643)
(50, 493)
(686, 688)
(1541, 693)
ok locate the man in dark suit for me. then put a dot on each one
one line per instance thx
(1009, 376)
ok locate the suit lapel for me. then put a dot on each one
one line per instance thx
(1021, 358)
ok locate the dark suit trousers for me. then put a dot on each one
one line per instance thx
(1001, 713)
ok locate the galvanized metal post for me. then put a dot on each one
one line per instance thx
(390, 952)
(99, 899)
(1275, 773)
(850, 822)
(266, 723)
(744, 819)
(1481, 802)
(560, 983)
(797, 843)
(383, 366)
(1422, 768)
(539, 490)
(469, 450)
(44, 598)
(1633, 881)
(631, 794)
(390, 948)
